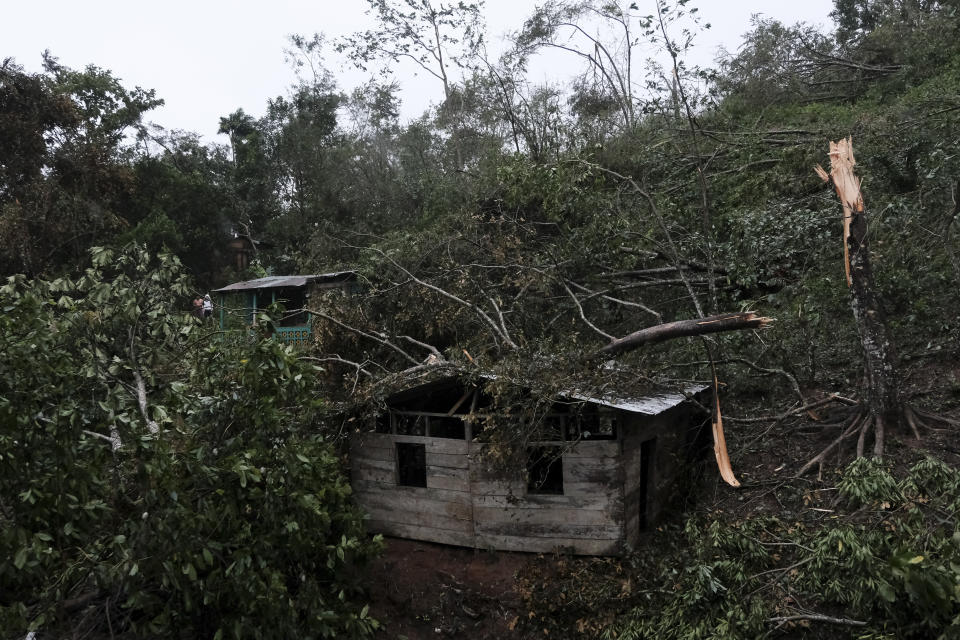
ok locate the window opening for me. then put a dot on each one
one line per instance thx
(294, 301)
(593, 423)
(447, 427)
(411, 464)
(411, 424)
(545, 471)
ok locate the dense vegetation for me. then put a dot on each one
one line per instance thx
(171, 476)
(207, 507)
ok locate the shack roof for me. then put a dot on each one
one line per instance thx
(274, 282)
(651, 404)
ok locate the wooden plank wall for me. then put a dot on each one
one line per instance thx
(669, 429)
(463, 505)
(441, 512)
(586, 519)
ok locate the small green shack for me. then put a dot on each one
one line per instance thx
(244, 299)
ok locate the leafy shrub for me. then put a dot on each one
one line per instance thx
(891, 563)
(175, 486)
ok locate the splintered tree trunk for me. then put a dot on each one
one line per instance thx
(880, 359)
(883, 402)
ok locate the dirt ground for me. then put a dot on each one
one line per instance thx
(421, 590)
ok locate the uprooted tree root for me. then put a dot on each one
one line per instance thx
(861, 423)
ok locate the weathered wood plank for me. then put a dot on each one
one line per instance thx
(369, 463)
(388, 441)
(479, 472)
(372, 453)
(400, 504)
(581, 489)
(428, 534)
(399, 491)
(632, 529)
(424, 520)
(418, 519)
(371, 440)
(596, 502)
(571, 488)
(582, 449)
(453, 483)
(454, 461)
(562, 517)
(548, 545)
(599, 471)
(558, 530)
(450, 472)
(447, 446)
(385, 471)
(481, 487)
(361, 474)
(580, 467)
(593, 449)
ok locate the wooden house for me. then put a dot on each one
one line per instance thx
(239, 302)
(603, 474)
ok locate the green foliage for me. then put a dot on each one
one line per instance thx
(893, 562)
(867, 482)
(182, 202)
(182, 483)
(65, 161)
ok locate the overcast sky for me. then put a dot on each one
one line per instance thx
(207, 58)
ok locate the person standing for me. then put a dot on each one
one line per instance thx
(207, 306)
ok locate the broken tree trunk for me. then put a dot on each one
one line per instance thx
(883, 402)
(684, 328)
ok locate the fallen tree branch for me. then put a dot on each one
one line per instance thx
(786, 414)
(686, 328)
(359, 366)
(429, 347)
(141, 394)
(372, 336)
(852, 429)
(499, 331)
(152, 425)
(583, 316)
(626, 303)
(817, 617)
(114, 440)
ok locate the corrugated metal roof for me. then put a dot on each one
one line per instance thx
(648, 405)
(651, 405)
(272, 282)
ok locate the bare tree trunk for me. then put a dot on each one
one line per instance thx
(880, 359)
